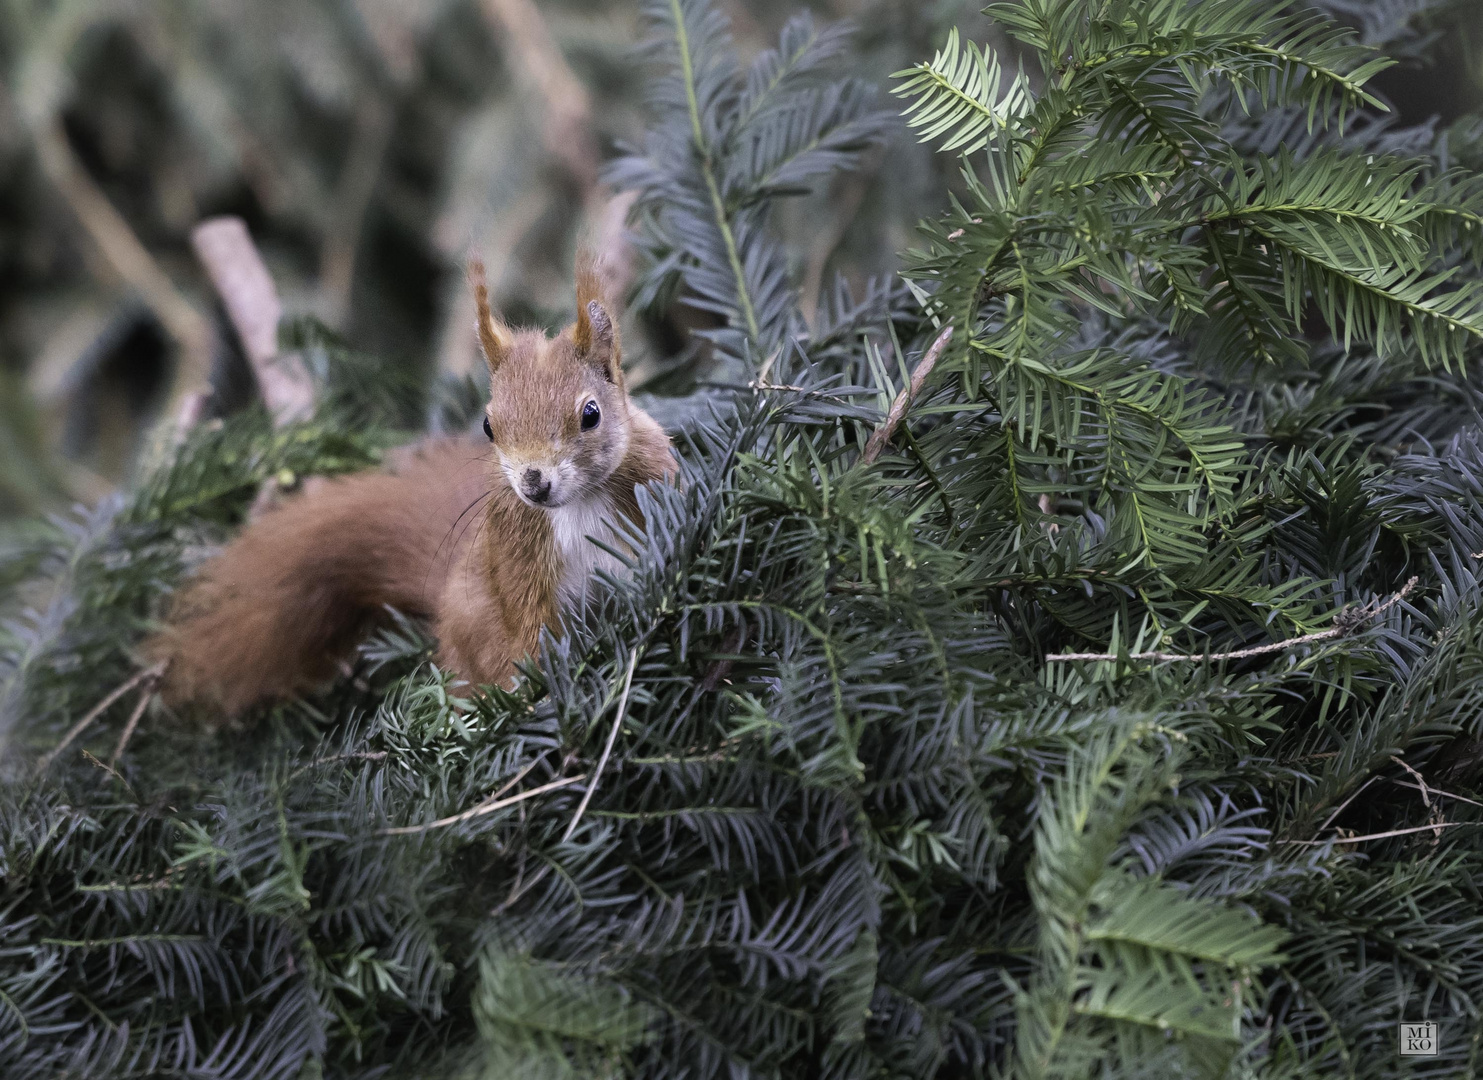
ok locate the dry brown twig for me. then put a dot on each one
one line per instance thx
(131, 725)
(146, 677)
(1346, 622)
(1439, 792)
(882, 435)
(1379, 835)
(1426, 800)
(247, 291)
(487, 807)
(633, 659)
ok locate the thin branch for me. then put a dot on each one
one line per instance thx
(128, 732)
(1380, 835)
(357, 184)
(882, 435)
(568, 136)
(1343, 805)
(484, 808)
(1426, 800)
(633, 659)
(139, 678)
(1439, 791)
(846, 206)
(128, 257)
(1347, 622)
(566, 128)
(247, 291)
(110, 770)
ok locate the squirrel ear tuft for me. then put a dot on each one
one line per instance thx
(494, 336)
(596, 334)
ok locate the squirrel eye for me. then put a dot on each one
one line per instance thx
(591, 414)
(489, 431)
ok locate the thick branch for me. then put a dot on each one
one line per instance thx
(251, 299)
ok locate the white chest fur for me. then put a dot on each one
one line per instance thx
(571, 527)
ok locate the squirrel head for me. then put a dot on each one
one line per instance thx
(558, 412)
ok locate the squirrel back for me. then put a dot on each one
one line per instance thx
(489, 542)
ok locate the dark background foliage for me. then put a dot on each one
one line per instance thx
(371, 145)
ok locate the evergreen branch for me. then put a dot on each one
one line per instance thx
(957, 97)
(707, 168)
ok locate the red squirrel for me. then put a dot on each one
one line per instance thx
(488, 542)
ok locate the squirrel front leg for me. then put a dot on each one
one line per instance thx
(498, 597)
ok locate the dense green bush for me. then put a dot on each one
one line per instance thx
(1206, 410)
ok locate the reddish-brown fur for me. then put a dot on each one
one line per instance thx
(446, 536)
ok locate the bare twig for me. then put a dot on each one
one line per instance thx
(484, 808)
(1426, 799)
(128, 732)
(1340, 808)
(882, 435)
(357, 183)
(1379, 835)
(566, 129)
(251, 299)
(131, 261)
(139, 678)
(845, 206)
(633, 659)
(1420, 782)
(1439, 791)
(109, 769)
(1347, 622)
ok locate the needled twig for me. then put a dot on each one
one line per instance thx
(148, 675)
(882, 435)
(247, 292)
(1346, 622)
(633, 659)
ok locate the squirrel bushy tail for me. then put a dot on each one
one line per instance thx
(284, 604)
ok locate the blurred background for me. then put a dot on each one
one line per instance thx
(371, 146)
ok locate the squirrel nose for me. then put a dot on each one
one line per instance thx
(536, 487)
